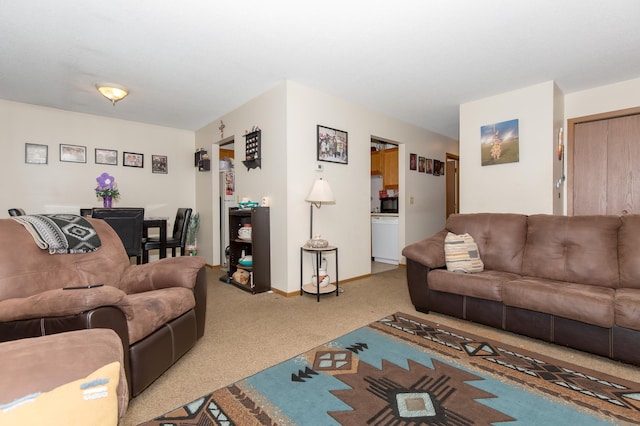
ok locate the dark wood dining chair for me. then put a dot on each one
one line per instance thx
(127, 222)
(16, 212)
(177, 240)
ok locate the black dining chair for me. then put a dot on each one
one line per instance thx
(178, 238)
(16, 212)
(127, 222)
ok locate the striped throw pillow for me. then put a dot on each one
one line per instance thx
(461, 254)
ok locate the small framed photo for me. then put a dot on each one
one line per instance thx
(413, 161)
(421, 164)
(106, 156)
(132, 159)
(430, 166)
(332, 145)
(159, 164)
(73, 153)
(36, 153)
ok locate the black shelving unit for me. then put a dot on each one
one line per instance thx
(253, 154)
(259, 247)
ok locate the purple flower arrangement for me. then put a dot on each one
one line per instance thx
(107, 186)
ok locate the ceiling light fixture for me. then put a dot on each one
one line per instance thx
(113, 92)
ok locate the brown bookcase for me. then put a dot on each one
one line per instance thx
(259, 247)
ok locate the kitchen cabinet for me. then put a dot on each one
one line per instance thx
(385, 162)
(376, 163)
(390, 169)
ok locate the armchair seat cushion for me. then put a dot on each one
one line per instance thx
(148, 311)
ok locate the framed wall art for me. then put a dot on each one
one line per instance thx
(159, 164)
(106, 156)
(421, 164)
(73, 153)
(500, 143)
(36, 154)
(132, 159)
(332, 145)
(413, 161)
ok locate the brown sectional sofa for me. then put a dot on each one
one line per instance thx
(571, 280)
(157, 309)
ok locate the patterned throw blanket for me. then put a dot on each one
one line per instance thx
(61, 233)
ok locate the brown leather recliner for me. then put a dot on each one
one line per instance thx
(158, 309)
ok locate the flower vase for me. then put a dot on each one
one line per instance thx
(106, 202)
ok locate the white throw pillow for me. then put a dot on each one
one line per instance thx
(461, 254)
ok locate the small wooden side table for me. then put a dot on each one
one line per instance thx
(316, 289)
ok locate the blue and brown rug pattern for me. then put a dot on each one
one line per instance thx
(404, 370)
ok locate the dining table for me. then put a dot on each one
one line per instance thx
(153, 223)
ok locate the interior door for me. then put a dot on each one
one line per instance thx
(603, 173)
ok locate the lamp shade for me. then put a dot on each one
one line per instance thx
(320, 193)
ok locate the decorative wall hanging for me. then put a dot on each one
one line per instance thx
(422, 164)
(132, 159)
(73, 153)
(500, 143)
(413, 160)
(159, 164)
(107, 156)
(36, 153)
(253, 149)
(332, 145)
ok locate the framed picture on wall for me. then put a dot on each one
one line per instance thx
(36, 154)
(430, 165)
(413, 161)
(332, 145)
(73, 153)
(421, 164)
(106, 156)
(132, 159)
(159, 164)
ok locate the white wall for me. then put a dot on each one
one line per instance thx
(527, 186)
(288, 115)
(612, 97)
(67, 187)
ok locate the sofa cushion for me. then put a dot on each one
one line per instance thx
(148, 311)
(482, 285)
(496, 235)
(576, 249)
(461, 254)
(629, 251)
(589, 304)
(627, 308)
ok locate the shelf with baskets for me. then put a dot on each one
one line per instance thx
(249, 249)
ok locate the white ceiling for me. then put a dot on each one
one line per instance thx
(187, 63)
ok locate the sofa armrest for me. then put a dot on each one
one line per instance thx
(428, 252)
(59, 302)
(164, 273)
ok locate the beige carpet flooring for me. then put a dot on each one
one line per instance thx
(247, 333)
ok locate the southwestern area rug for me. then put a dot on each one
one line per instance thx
(404, 370)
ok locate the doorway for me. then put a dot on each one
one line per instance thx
(385, 191)
(226, 191)
(452, 176)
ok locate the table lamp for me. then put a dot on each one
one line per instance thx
(320, 194)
